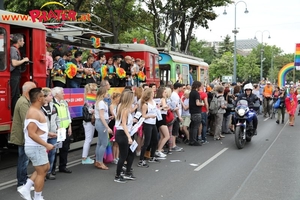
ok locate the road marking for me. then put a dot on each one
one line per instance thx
(266, 119)
(210, 160)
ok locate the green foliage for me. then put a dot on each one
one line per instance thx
(221, 66)
(198, 49)
(226, 45)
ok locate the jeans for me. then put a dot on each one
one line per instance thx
(218, 125)
(102, 140)
(194, 126)
(22, 166)
(73, 83)
(226, 122)
(89, 131)
(15, 91)
(204, 125)
(52, 153)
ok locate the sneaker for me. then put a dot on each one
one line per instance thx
(120, 179)
(142, 163)
(176, 148)
(87, 161)
(24, 193)
(124, 168)
(154, 160)
(115, 161)
(204, 142)
(160, 154)
(42, 198)
(129, 176)
(31, 188)
(50, 176)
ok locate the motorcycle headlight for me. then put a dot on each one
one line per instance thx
(241, 112)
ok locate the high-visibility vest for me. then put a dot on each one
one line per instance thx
(268, 91)
(62, 113)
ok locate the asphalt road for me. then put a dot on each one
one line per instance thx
(267, 168)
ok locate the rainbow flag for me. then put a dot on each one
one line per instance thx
(297, 55)
(90, 98)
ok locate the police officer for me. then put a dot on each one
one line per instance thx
(252, 100)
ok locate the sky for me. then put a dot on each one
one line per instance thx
(278, 17)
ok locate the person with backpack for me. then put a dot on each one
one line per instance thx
(217, 107)
(195, 105)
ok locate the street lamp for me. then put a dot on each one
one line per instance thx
(262, 50)
(235, 31)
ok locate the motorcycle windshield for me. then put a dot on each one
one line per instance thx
(243, 103)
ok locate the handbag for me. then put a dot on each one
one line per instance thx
(170, 117)
(87, 116)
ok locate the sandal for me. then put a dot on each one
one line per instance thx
(102, 166)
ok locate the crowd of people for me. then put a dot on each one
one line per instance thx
(41, 113)
(170, 114)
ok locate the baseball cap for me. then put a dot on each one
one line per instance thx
(178, 85)
(268, 82)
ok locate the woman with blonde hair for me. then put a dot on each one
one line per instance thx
(115, 100)
(124, 121)
(149, 112)
(161, 124)
(170, 126)
(102, 117)
(90, 91)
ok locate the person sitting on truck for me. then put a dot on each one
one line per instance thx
(16, 61)
(59, 66)
(75, 82)
(89, 70)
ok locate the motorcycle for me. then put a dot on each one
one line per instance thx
(244, 129)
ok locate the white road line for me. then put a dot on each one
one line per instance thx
(266, 119)
(210, 160)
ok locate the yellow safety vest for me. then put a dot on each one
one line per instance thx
(62, 113)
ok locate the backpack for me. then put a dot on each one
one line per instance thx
(213, 107)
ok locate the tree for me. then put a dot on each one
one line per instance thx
(247, 68)
(221, 66)
(226, 45)
(139, 34)
(184, 14)
(200, 50)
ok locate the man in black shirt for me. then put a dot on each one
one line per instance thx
(16, 61)
(195, 111)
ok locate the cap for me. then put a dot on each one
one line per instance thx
(233, 84)
(178, 85)
(268, 82)
(211, 85)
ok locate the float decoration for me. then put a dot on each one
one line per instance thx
(96, 42)
(104, 71)
(90, 98)
(71, 70)
(141, 76)
(120, 72)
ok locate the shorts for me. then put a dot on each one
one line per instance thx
(186, 121)
(175, 131)
(161, 122)
(37, 155)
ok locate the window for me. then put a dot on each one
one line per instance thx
(151, 65)
(156, 67)
(3, 51)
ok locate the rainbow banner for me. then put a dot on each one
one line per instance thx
(282, 73)
(90, 98)
(297, 57)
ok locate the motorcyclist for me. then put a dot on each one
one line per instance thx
(252, 100)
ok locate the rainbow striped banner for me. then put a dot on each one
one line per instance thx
(297, 57)
(90, 98)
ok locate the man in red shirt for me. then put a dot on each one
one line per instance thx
(204, 114)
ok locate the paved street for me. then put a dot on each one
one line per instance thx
(267, 168)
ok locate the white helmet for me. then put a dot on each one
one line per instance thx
(248, 86)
